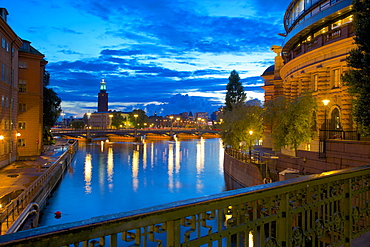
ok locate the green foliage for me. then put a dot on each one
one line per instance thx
(235, 95)
(237, 124)
(291, 121)
(51, 107)
(358, 77)
(140, 120)
(78, 124)
(117, 119)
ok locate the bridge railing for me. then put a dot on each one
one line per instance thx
(331, 208)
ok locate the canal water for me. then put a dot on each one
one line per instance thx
(106, 178)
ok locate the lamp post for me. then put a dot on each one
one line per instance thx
(88, 126)
(178, 123)
(325, 102)
(250, 145)
(171, 117)
(135, 116)
(63, 114)
(110, 120)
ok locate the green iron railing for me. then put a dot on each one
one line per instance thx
(328, 209)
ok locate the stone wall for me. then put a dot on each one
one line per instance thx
(245, 173)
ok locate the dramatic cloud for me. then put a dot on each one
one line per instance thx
(158, 55)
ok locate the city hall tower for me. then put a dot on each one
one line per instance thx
(103, 97)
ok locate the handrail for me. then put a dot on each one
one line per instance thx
(30, 209)
(12, 210)
(331, 208)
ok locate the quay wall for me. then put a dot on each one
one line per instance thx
(246, 174)
(340, 154)
(16, 216)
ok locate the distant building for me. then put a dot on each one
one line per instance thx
(30, 100)
(103, 97)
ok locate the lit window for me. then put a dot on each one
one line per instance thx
(321, 31)
(21, 142)
(336, 82)
(22, 65)
(22, 125)
(315, 79)
(22, 86)
(22, 107)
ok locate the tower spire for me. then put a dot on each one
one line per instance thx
(103, 86)
(103, 97)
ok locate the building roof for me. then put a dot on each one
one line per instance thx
(28, 48)
(270, 70)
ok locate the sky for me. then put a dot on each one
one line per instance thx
(161, 56)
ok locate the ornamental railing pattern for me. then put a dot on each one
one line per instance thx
(328, 209)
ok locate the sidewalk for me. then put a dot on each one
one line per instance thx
(20, 174)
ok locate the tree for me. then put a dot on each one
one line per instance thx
(238, 123)
(78, 124)
(51, 108)
(291, 122)
(140, 119)
(358, 77)
(235, 95)
(117, 119)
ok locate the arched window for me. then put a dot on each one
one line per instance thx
(335, 120)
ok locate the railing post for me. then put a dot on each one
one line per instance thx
(347, 207)
(283, 225)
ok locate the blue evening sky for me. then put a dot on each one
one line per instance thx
(168, 56)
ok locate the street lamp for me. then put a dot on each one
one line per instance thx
(135, 116)
(110, 120)
(325, 102)
(88, 126)
(250, 145)
(63, 114)
(178, 122)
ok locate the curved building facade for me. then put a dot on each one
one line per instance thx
(319, 35)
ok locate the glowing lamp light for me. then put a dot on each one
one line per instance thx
(1, 137)
(251, 132)
(18, 134)
(326, 102)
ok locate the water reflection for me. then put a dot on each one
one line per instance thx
(135, 170)
(200, 165)
(132, 176)
(110, 166)
(88, 173)
(170, 167)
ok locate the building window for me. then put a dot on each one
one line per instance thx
(22, 86)
(22, 125)
(3, 101)
(315, 80)
(322, 31)
(3, 72)
(3, 43)
(23, 65)
(336, 82)
(21, 142)
(22, 107)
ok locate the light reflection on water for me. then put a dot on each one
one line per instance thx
(116, 177)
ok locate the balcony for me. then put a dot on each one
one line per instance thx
(329, 37)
